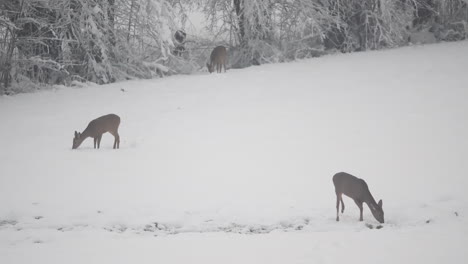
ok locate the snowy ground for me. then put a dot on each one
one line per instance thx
(237, 167)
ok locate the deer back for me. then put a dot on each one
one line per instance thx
(101, 125)
(351, 186)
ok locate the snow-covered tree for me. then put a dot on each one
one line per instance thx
(57, 41)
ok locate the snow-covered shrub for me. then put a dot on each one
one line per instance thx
(446, 19)
(266, 31)
(453, 20)
(369, 24)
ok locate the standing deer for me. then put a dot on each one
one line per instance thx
(356, 189)
(218, 58)
(108, 123)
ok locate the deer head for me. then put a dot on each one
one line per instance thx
(377, 212)
(210, 67)
(77, 140)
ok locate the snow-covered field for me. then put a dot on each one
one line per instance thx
(237, 167)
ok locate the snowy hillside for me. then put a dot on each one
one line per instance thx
(237, 167)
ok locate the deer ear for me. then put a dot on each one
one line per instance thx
(380, 203)
(76, 134)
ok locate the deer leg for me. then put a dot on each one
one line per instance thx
(116, 139)
(342, 205)
(99, 141)
(360, 216)
(359, 204)
(338, 195)
(95, 141)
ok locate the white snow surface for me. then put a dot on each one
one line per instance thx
(237, 167)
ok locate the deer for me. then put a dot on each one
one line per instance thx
(218, 58)
(107, 123)
(357, 190)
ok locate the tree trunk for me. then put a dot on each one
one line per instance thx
(111, 15)
(239, 7)
(130, 21)
(5, 76)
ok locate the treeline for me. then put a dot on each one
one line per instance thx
(279, 30)
(102, 41)
(44, 42)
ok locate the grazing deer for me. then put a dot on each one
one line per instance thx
(218, 58)
(356, 189)
(108, 123)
